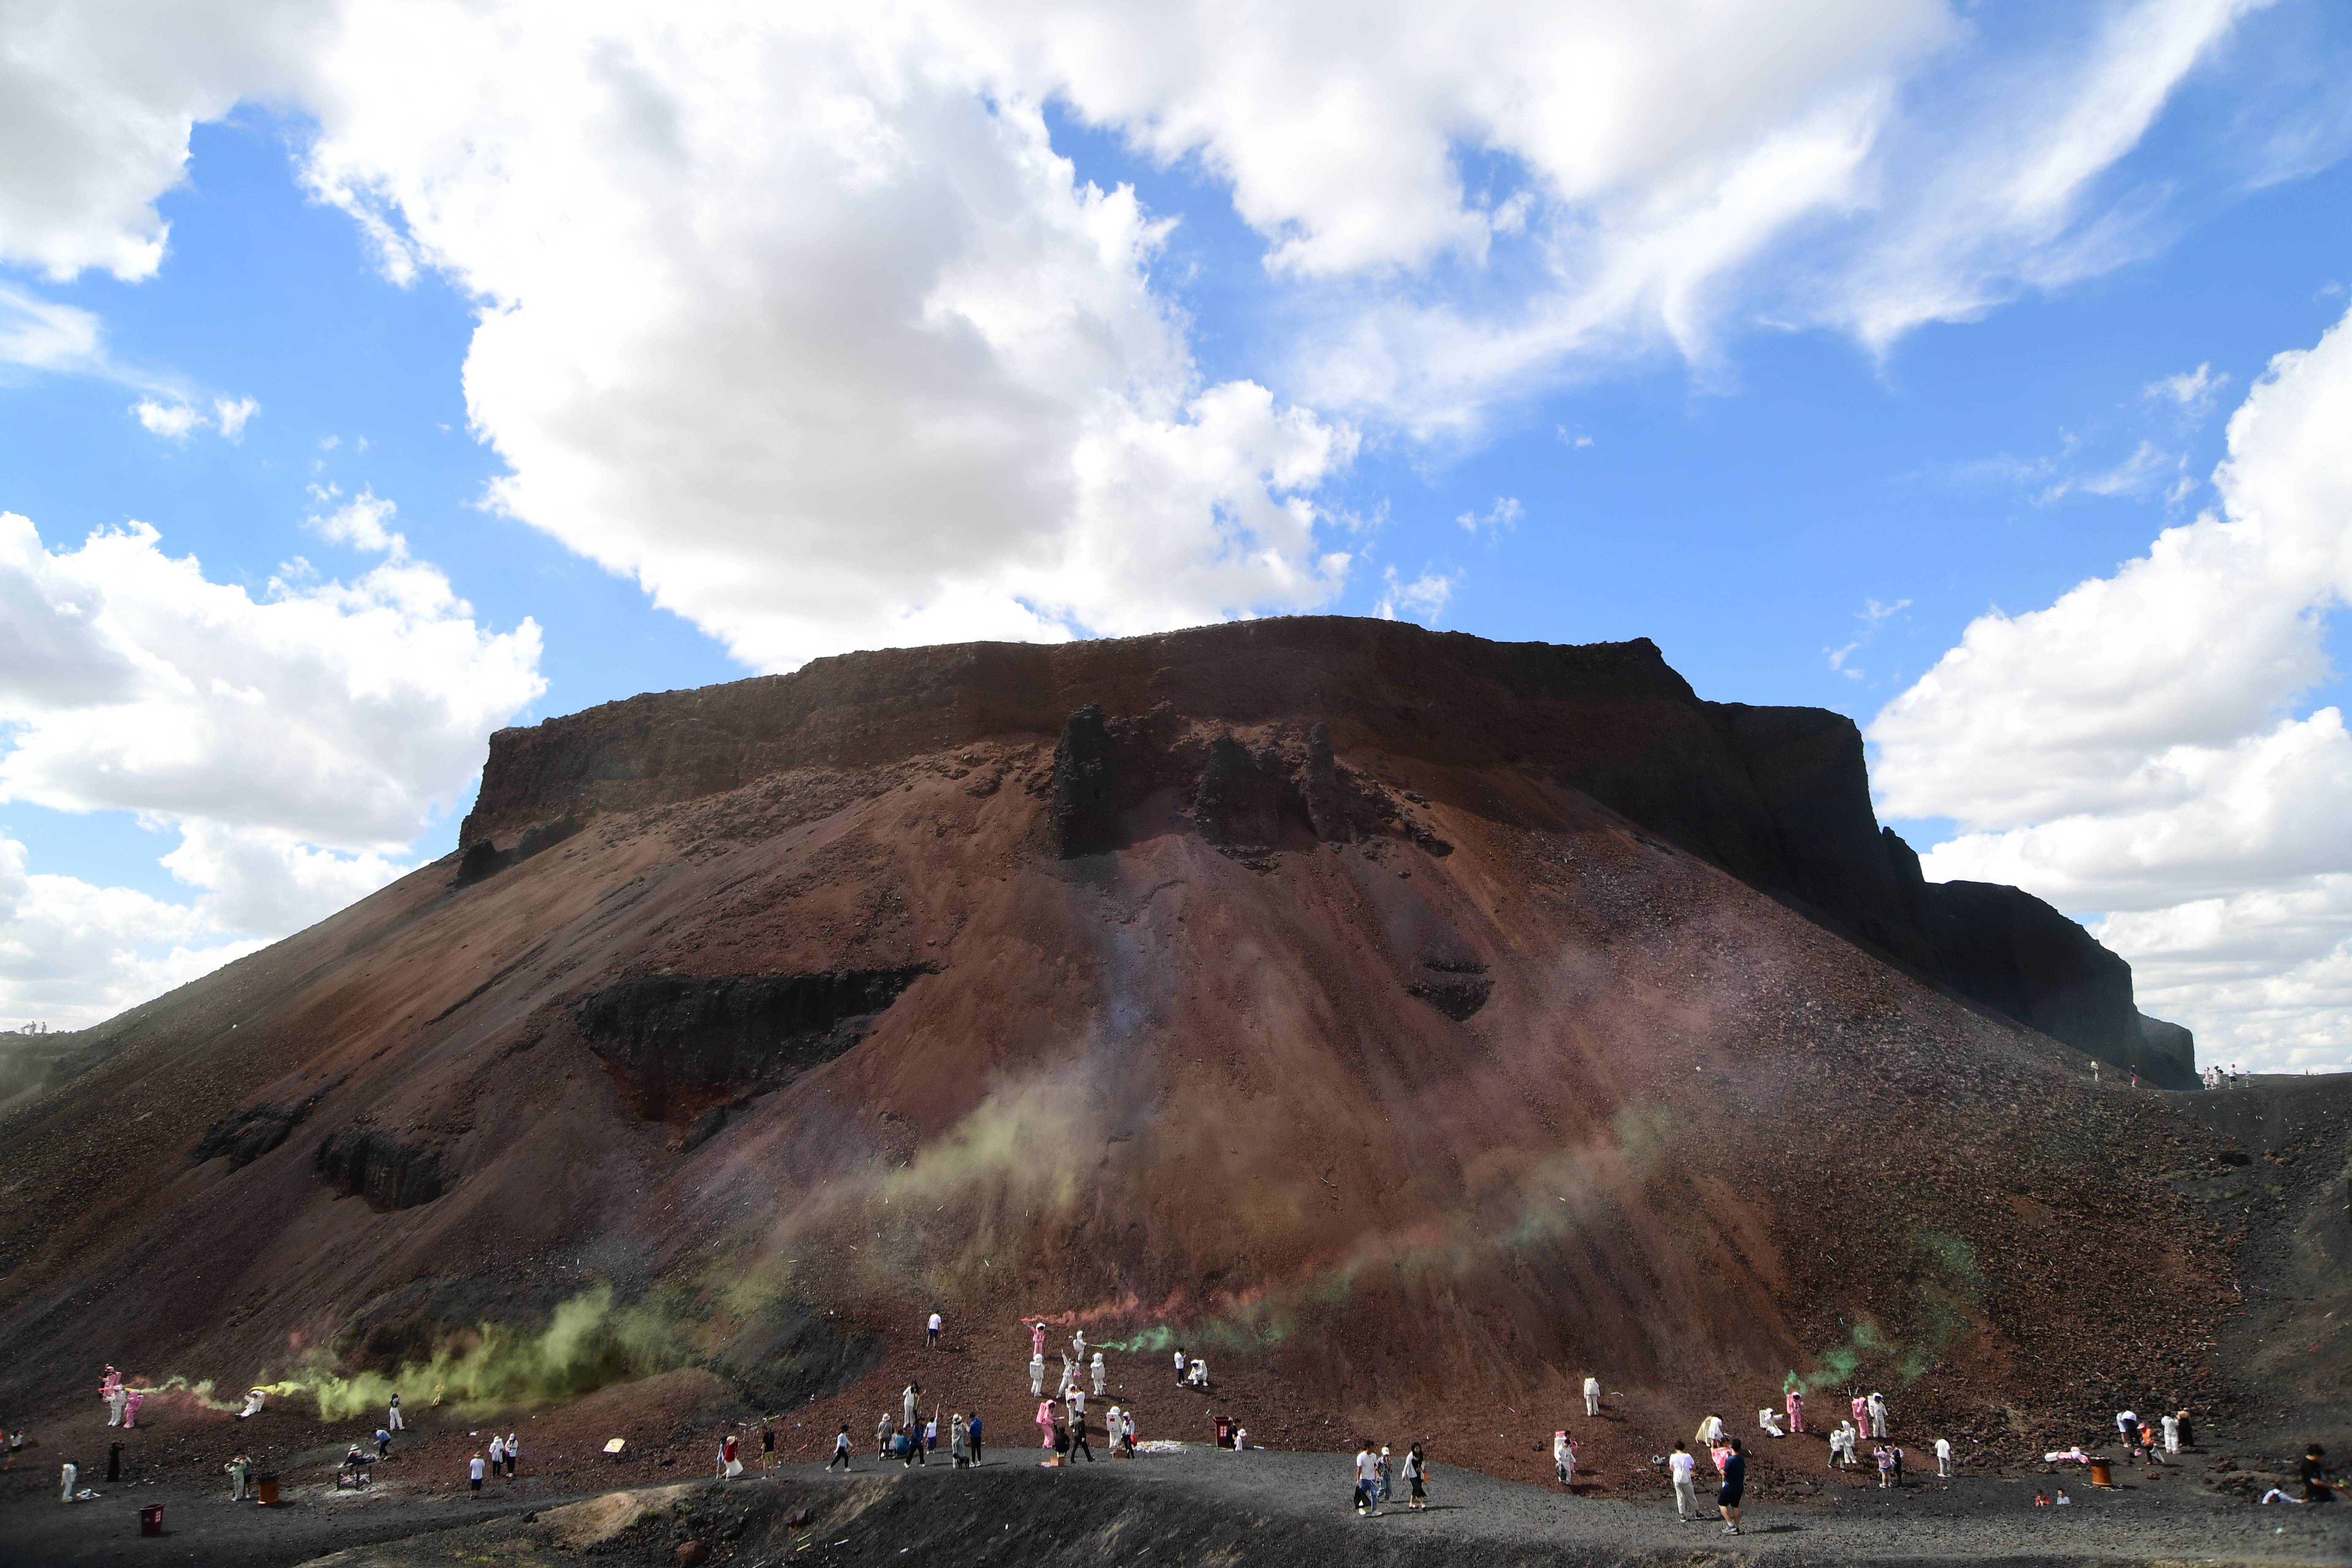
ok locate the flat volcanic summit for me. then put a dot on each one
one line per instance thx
(1406, 1023)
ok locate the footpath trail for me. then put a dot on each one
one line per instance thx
(1197, 1506)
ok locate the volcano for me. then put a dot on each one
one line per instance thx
(1404, 1023)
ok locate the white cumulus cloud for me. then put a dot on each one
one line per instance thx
(73, 953)
(797, 317)
(2134, 749)
(297, 742)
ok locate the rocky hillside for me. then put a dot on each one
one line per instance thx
(1409, 1022)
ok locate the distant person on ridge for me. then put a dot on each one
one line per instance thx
(1735, 1482)
(1591, 1395)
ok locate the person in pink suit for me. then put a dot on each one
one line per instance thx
(1861, 1414)
(111, 1390)
(132, 1401)
(1796, 1412)
(1045, 1427)
(1037, 1337)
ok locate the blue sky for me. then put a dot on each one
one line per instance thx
(1810, 462)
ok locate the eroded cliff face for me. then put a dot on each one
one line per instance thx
(1777, 797)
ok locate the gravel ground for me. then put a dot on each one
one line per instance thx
(1197, 1505)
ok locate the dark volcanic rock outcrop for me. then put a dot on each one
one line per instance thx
(686, 1039)
(2169, 1054)
(248, 1135)
(388, 1171)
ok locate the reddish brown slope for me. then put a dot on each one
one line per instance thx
(1487, 1088)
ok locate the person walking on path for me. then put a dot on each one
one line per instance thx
(840, 1449)
(1944, 1457)
(1563, 1459)
(931, 1331)
(392, 1421)
(1079, 1444)
(1591, 1395)
(1735, 1482)
(959, 1455)
(1045, 1428)
(1367, 1480)
(1681, 1468)
(973, 1432)
(1416, 1472)
(882, 1430)
(1796, 1403)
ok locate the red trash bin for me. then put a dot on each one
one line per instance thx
(151, 1520)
